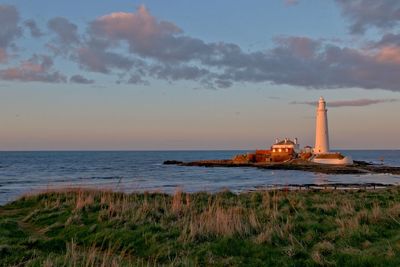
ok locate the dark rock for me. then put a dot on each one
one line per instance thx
(172, 162)
(360, 167)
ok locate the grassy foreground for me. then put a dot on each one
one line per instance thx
(78, 227)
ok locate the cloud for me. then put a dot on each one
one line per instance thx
(80, 79)
(389, 54)
(66, 31)
(139, 46)
(299, 46)
(177, 72)
(9, 29)
(37, 68)
(3, 55)
(33, 28)
(323, 66)
(388, 39)
(382, 14)
(348, 103)
(143, 33)
(297, 61)
(223, 83)
(388, 48)
(97, 59)
(137, 79)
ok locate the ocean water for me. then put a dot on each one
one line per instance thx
(138, 171)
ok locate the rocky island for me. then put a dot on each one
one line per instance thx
(287, 155)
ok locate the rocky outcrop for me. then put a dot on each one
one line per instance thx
(359, 167)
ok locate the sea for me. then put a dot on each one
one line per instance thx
(138, 171)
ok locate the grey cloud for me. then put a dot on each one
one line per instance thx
(166, 47)
(389, 39)
(301, 47)
(139, 45)
(327, 66)
(171, 55)
(137, 79)
(95, 57)
(362, 14)
(66, 31)
(33, 28)
(180, 72)
(298, 61)
(223, 83)
(348, 103)
(80, 79)
(9, 29)
(37, 68)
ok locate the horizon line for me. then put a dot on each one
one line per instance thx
(176, 150)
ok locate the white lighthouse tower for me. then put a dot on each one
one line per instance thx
(321, 129)
(321, 149)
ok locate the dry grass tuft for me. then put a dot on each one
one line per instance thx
(376, 213)
(177, 205)
(394, 210)
(83, 200)
(187, 200)
(347, 225)
(346, 208)
(220, 221)
(265, 237)
(90, 257)
(283, 228)
(363, 216)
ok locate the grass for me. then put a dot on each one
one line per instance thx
(82, 227)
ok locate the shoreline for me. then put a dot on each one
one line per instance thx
(359, 167)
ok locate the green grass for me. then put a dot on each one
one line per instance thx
(82, 227)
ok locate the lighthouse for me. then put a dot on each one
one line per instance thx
(321, 129)
(321, 149)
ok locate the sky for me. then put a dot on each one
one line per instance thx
(196, 75)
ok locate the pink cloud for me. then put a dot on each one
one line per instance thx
(38, 68)
(389, 54)
(139, 29)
